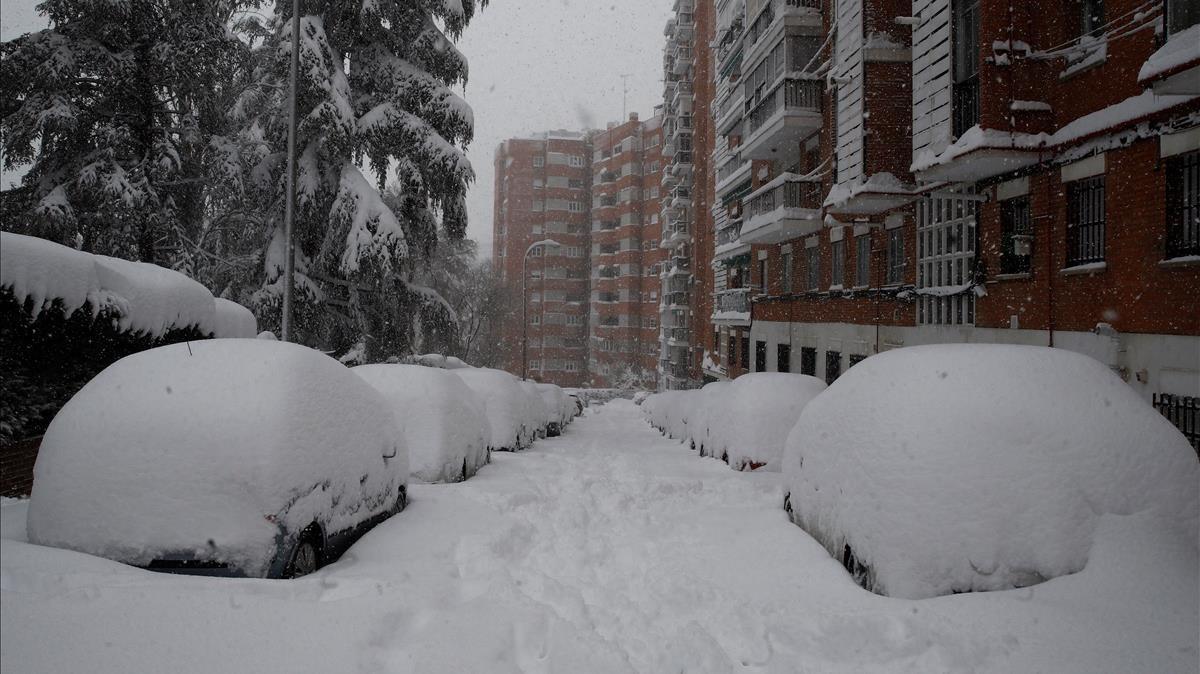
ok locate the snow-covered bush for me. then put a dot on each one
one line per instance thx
(760, 410)
(444, 422)
(214, 449)
(506, 404)
(937, 469)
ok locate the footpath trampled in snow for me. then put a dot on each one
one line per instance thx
(607, 549)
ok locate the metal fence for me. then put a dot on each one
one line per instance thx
(1183, 412)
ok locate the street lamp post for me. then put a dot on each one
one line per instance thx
(548, 243)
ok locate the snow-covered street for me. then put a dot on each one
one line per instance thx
(610, 548)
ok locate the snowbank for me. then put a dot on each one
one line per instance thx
(444, 422)
(187, 448)
(233, 320)
(761, 409)
(981, 467)
(145, 298)
(506, 404)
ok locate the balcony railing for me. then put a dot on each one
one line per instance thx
(677, 299)
(734, 300)
(676, 334)
(728, 235)
(798, 95)
(789, 194)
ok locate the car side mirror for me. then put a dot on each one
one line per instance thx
(389, 452)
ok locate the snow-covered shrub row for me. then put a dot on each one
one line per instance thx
(744, 422)
(937, 469)
(213, 450)
(444, 421)
(141, 297)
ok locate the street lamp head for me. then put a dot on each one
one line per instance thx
(548, 243)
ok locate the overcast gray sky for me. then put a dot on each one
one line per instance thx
(535, 65)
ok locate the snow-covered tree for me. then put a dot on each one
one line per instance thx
(112, 108)
(374, 92)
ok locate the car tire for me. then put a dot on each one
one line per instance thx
(305, 559)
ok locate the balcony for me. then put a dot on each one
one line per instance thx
(783, 209)
(731, 110)
(781, 119)
(732, 307)
(676, 299)
(683, 60)
(676, 336)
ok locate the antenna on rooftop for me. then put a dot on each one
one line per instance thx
(624, 96)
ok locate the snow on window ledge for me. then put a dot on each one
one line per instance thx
(1019, 276)
(1181, 261)
(1081, 269)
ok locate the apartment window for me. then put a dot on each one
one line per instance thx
(535, 365)
(651, 322)
(946, 258)
(1016, 234)
(1181, 15)
(1085, 221)
(760, 356)
(575, 183)
(783, 358)
(731, 348)
(576, 161)
(855, 359)
(833, 366)
(966, 66)
(786, 272)
(808, 361)
(814, 268)
(537, 183)
(837, 265)
(762, 275)
(862, 261)
(535, 320)
(539, 162)
(1183, 205)
(537, 206)
(1091, 17)
(535, 297)
(571, 366)
(895, 256)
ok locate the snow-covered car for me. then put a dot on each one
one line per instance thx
(561, 409)
(932, 470)
(712, 405)
(538, 413)
(444, 421)
(578, 402)
(236, 457)
(760, 410)
(506, 404)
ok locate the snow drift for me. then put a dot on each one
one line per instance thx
(444, 422)
(939, 469)
(188, 448)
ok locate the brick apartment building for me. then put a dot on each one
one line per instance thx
(590, 303)
(1037, 182)
(625, 253)
(543, 191)
(687, 193)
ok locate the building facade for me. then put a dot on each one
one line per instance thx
(543, 193)
(576, 243)
(687, 189)
(1037, 182)
(625, 254)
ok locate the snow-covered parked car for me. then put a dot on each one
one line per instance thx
(223, 457)
(760, 410)
(712, 405)
(931, 470)
(538, 412)
(507, 406)
(561, 409)
(444, 421)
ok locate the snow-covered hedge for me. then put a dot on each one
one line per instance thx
(938, 469)
(444, 421)
(760, 410)
(143, 298)
(509, 414)
(189, 448)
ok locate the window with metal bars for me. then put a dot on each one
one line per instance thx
(1085, 221)
(895, 256)
(814, 268)
(1183, 205)
(862, 261)
(808, 361)
(783, 358)
(833, 366)
(1016, 236)
(760, 356)
(837, 263)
